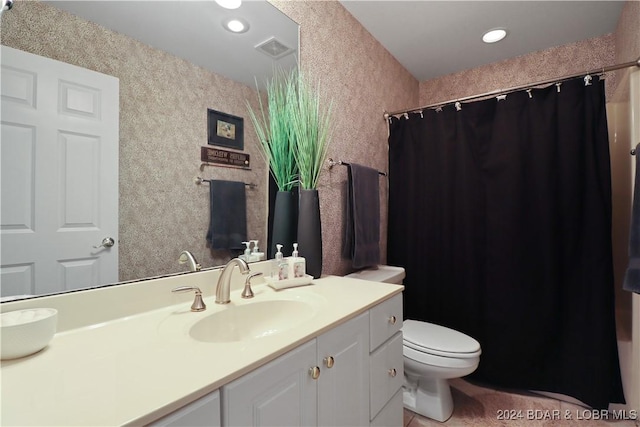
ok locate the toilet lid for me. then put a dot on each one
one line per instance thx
(435, 339)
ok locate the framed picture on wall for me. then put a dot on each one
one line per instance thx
(225, 130)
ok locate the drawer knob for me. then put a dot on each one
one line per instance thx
(392, 320)
(392, 372)
(329, 361)
(315, 372)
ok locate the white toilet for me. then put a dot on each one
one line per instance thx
(432, 355)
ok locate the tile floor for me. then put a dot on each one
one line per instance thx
(479, 406)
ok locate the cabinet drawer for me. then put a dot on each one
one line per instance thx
(385, 319)
(386, 373)
(392, 414)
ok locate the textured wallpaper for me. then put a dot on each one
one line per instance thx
(163, 124)
(533, 67)
(627, 49)
(628, 33)
(364, 80)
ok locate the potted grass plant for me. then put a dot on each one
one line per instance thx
(311, 127)
(273, 126)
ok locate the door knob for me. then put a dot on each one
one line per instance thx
(107, 242)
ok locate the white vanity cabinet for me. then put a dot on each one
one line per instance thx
(343, 385)
(347, 342)
(350, 375)
(386, 363)
(203, 412)
(324, 382)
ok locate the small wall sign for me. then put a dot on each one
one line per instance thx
(221, 157)
(225, 130)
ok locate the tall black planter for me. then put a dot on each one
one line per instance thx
(285, 221)
(310, 231)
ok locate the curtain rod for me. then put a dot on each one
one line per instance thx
(635, 63)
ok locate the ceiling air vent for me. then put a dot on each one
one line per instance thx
(274, 48)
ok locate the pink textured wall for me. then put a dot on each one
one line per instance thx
(628, 32)
(536, 66)
(363, 79)
(627, 46)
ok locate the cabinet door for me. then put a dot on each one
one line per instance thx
(343, 388)
(204, 412)
(387, 372)
(385, 321)
(280, 393)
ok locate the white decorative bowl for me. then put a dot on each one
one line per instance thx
(24, 332)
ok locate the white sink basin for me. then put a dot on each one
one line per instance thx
(253, 320)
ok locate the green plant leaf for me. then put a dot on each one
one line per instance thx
(272, 124)
(311, 128)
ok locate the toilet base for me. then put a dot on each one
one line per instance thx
(428, 397)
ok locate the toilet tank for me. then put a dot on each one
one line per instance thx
(384, 273)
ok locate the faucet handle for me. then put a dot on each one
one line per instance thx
(198, 303)
(247, 292)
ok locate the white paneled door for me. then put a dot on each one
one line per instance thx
(59, 175)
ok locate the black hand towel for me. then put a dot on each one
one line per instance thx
(632, 277)
(228, 215)
(362, 230)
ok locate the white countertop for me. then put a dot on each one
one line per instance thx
(138, 368)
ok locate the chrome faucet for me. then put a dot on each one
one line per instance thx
(187, 257)
(223, 288)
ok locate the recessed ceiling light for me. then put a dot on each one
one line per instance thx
(229, 4)
(236, 25)
(494, 35)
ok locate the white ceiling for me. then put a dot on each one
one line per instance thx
(192, 30)
(434, 38)
(430, 38)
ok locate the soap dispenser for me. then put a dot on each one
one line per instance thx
(247, 252)
(297, 264)
(280, 269)
(256, 255)
(283, 266)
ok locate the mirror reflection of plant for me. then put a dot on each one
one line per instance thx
(311, 127)
(273, 127)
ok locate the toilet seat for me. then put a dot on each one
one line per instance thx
(440, 362)
(436, 340)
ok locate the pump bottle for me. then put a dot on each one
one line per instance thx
(297, 264)
(280, 269)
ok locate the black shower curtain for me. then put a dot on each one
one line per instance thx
(501, 215)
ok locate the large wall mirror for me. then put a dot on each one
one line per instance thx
(173, 62)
